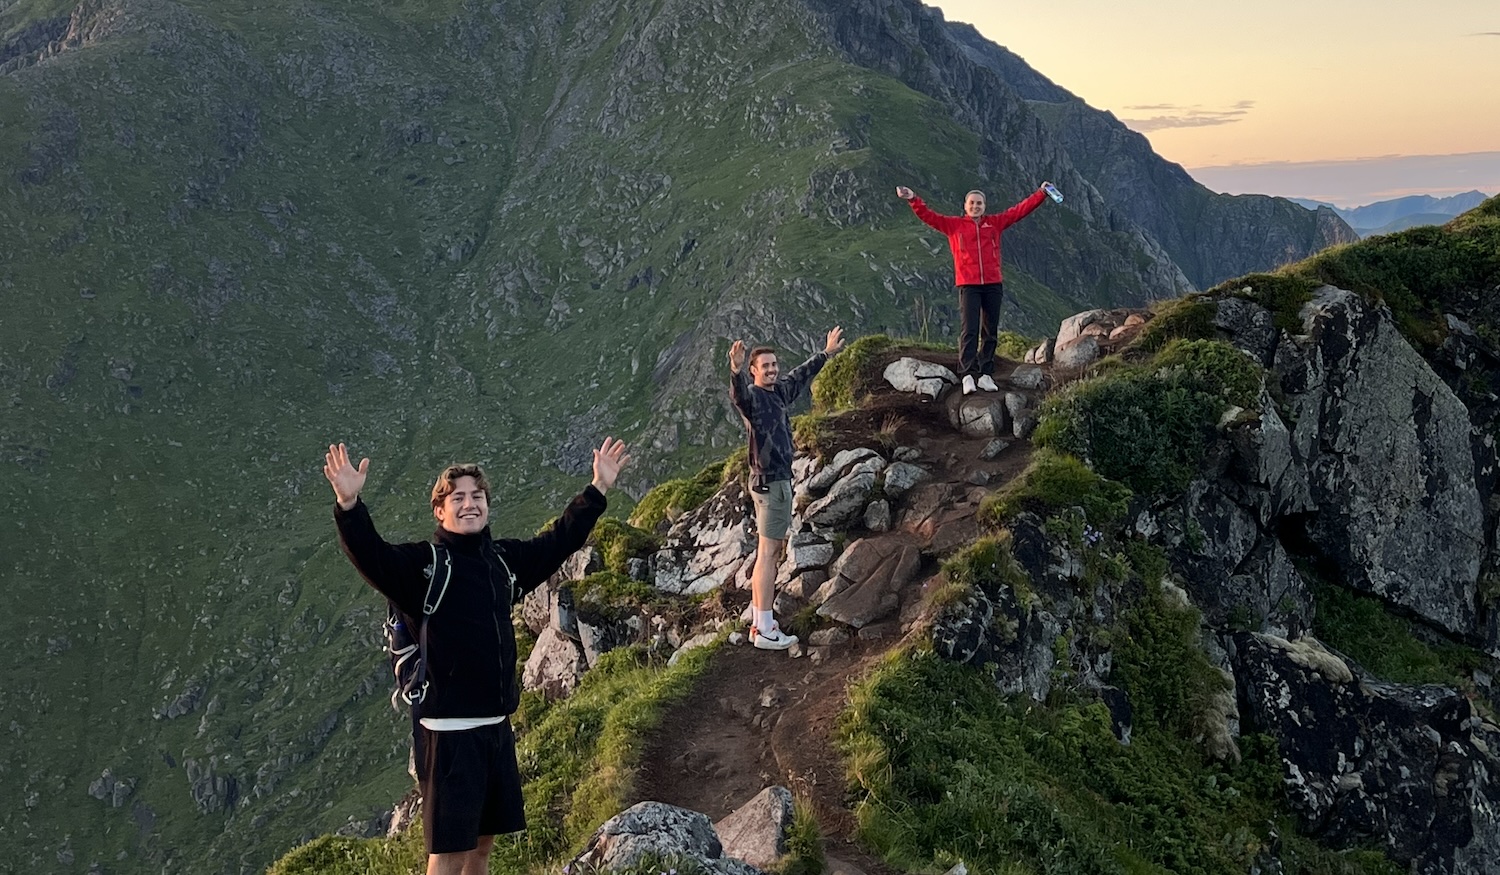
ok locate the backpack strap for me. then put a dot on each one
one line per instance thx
(439, 555)
(508, 573)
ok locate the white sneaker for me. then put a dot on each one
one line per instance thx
(968, 385)
(773, 639)
(987, 384)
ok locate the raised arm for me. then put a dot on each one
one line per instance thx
(739, 380)
(395, 570)
(537, 559)
(1022, 209)
(791, 385)
(936, 221)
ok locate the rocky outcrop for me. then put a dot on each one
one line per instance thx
(757, 832)
(652, 830)
(1404, 767)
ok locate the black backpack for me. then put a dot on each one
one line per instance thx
(408, 651)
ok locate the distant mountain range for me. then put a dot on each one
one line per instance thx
(1386, 217)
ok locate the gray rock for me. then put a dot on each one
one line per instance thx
(1249, 326)
(980, 415)
(1409, 767)
(758, 831)
(1083, 351)
(867, 580)
(1072, 327)
(878, 516)
(905, 374)
(654, 829)
(992, 449)
(844, 503)
(555, 665)
(708, 547)
(1028, 377)
(601, 632)
(900, 477)
(702, 639)
(906, 454)
(1390, 461)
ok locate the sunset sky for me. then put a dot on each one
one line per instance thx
(1321, 96)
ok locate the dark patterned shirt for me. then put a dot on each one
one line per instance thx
(764, 412)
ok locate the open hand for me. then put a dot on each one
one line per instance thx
(736, 356)
(608, 460)
(347, 480)
(835, 341)
(905, 193)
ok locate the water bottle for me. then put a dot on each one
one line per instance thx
(1052, 191)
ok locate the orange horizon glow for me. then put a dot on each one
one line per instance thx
(1212, 85)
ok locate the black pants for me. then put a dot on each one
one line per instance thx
(980, 308)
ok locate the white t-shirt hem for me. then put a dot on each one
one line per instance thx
(454, 724)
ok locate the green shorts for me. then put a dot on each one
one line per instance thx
(773, 509)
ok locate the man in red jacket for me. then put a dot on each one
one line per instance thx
(975, 240)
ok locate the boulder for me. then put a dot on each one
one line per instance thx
(865, 584)
(650, 830)
(1081, 352)
(1028, 377)
(1072, 327)
(708, 547)
(758, 831)
(844, 503)
(1409, 768)
(555, 665)
(900, 477)
(907, 374)
(980, 415)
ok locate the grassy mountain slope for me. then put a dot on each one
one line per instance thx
(496, 231)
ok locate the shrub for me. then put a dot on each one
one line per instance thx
(669, 500)
(1148, 426)
(840, 385)
(619, 543)
(1056, 481)
(1189, 318)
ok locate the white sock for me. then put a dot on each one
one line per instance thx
(763, 621)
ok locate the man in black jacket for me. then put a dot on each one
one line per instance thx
(466, 764)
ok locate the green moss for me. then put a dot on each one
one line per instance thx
(670, 500)
(811, 434)
(1162, 667)
(619, 542)
(1189, 318)
(1055, 481)
(1218, 367)
(1147, 425)
(841, 384)
(1282, 294)
(1365, 629)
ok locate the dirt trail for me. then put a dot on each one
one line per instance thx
(759, 718)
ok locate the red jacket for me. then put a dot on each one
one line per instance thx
(976, 245)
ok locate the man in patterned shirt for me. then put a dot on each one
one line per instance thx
(762, 398)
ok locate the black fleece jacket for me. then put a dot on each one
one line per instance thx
(471, 646)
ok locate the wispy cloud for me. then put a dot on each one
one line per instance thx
(1486, 33)
(1171, 115)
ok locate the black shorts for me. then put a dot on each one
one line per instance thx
(470, 784)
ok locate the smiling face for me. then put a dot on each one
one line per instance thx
(764, 370)
(974, 205)
(466, 509)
